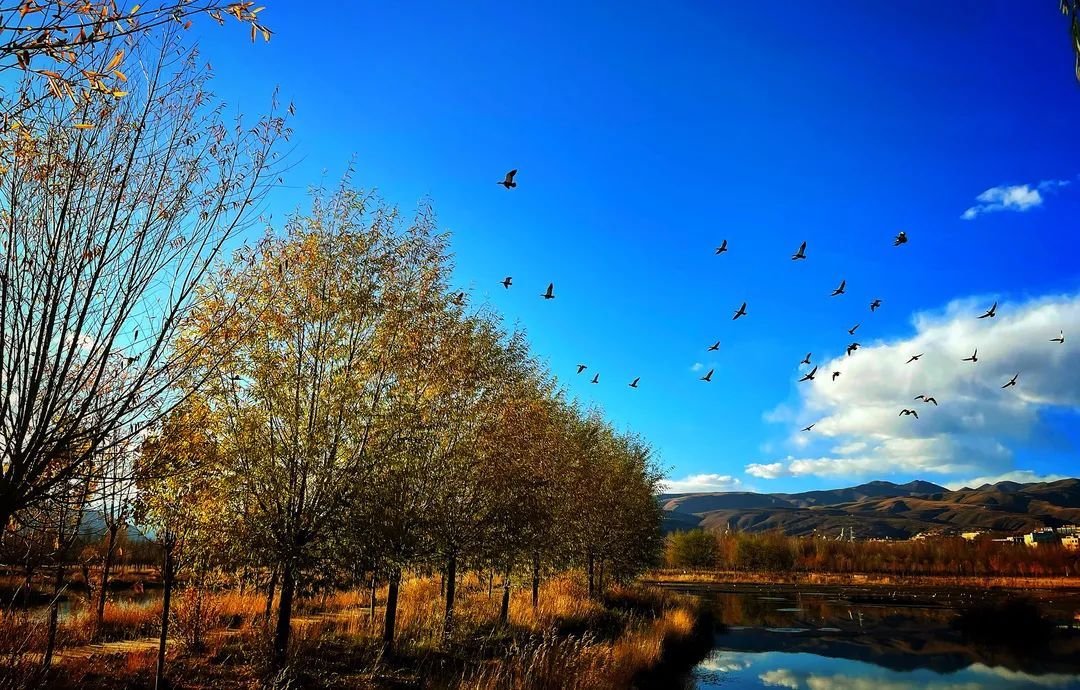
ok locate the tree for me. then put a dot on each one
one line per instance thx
(114, 210)
(1071, 9)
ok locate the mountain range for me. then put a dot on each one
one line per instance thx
(881, 509)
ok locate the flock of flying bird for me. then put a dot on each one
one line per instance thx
(901, 238)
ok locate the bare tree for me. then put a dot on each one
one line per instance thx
(114, 210)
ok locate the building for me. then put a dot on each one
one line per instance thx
(972, 536)
(1071, 542)
(1042, 536)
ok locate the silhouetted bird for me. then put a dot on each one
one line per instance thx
(809, 427)
(851, 331)
(990, 312)
(1059, 339)
(835, 374)
(809, 376)
(1012, 381)
(550, 294)
(906, 411)
(507, 282)
(596, 379)
(973, 358)
(914, 358)
(633, 384)
(900, 239)
(708, 377)
(875, 304)
(741, 312)
(852, 347)
(581, 368)
(715, 346)
(839, 290)
(722, 248)
(926, 399)
(801, 254)
(806, 359)
(509, 181)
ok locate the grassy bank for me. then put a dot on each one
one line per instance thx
(611, 642)
(705, 577)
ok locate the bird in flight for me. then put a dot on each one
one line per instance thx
(973, 358)
(741, 312)
(806, 359)
(714, 347)
(581, 368)
(809, 376)
(809, 427)
(926, 399)
(633, 384)
(801, 254)
(990, 312)
(722, 248)
(839, 290)
(852, 347)
(875, 304)
(459, 299)
(914, 358)
(835, 374)
(550, 294)
(596, 379)
(508, 182)
(851, 331)
(906, 411)
(901, 238)
(1060, 338)
(1012, 381)
(507, 282)
(708, 377)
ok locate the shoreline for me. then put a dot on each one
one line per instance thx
(675, 578)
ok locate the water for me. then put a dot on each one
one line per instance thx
(874, 639)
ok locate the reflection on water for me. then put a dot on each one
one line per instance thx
(854, 639)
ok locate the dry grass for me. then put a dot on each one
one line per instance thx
(750, 577)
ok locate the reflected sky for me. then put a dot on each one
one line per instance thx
(734, 670)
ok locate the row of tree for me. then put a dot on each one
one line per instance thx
(319, 408)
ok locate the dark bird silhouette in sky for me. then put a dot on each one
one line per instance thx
(852, 347)
(801, 254)
(507, 282)
(906, 411)
(715, 346)
(851, 331)
(806, 359)
(835, 374)
(914, 358)
(459, 299)
(991, 312)
(633, 384)
(901, 238)
(708, 377)
(1012, 381)
(581, 368)
(596, 379)
(740, 312)
(809, 376)
(508, 182)
(973, 358)
(550, 294)
(839, 290)
(722, 248)
(1059, 339)
(809, 427)
(926, 399)
(875, 304)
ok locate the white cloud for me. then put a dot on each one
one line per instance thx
(857, 427)
(703, 483)
(780, 678)
(1017, 197)
(698, 366)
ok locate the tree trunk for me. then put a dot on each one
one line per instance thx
(536, 580)
(451, 587)
(270, 596)
(592, 587)
(504, 612)
(284, 619)
(491, 582)
(391, 611)
(106, 565)
(371, 604)
(600, 579)
(166, 601)
(54, 613)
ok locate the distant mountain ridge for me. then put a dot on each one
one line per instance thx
(880, 509)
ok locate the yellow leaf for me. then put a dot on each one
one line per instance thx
(135, 9)
(119, 94)
(84, 125)
(115, 62)
(119, 75)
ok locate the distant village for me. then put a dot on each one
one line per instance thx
(1067, 536)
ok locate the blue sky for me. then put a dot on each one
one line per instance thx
(645, 134)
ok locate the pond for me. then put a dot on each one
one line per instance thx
(889, 639)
